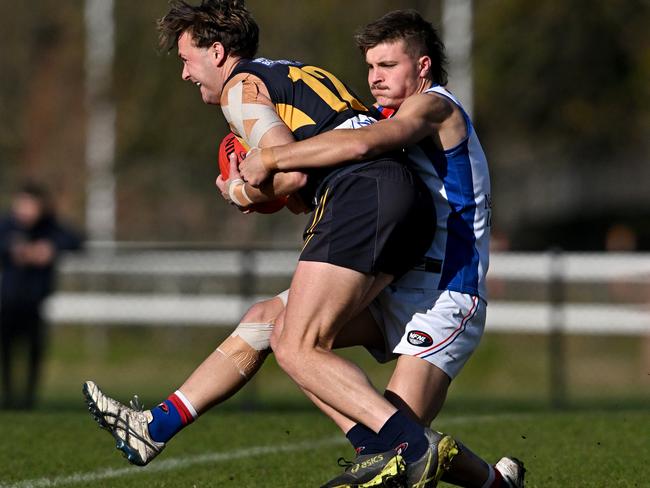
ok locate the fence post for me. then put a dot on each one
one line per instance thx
(247, 277)
(556, 343)
(247, 291)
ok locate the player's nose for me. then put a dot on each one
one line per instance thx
(375, 76)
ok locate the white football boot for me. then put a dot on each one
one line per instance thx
(129, 426)
(512, 470)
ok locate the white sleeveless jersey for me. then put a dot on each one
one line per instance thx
(460, 184)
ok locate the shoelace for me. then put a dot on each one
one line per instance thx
(344, 463)
(136, 404)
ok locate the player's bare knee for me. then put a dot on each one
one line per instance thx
(278, 327)
(259, 312)
(326, 343)
(275, 338)
(265, 311)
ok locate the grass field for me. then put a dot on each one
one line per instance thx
(271, 437)
(299, 449)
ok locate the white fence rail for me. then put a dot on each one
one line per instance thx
(545, 270)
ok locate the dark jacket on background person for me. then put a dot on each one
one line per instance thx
(30, 285)
(23, 288)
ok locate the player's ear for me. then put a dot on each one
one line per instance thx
(424, 66)
(219, 52)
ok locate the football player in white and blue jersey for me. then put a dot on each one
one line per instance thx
(442, 301)
(438, 341)
(365, 217)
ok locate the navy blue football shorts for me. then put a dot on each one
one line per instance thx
(378, 218)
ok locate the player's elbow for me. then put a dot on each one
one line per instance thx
(296, 180)
(360, 150)
(288, 183)
(262, 312)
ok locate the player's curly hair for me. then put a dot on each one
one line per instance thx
(226, 21)
(419, 36)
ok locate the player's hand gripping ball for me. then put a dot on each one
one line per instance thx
(232, 144)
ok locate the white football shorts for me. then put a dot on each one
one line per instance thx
(440, 326)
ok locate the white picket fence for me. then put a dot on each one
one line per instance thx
(224, 310)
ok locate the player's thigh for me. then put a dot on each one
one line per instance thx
(373, 220)
(418, 387)
(361, 330)
(440, 326)
(323, 298)
(278, 327)
(434, 332)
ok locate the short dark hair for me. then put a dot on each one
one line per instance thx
(419, 36)
(34, 189)
(226, 21)
(40, 193)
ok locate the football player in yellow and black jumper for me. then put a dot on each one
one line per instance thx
(365, 231)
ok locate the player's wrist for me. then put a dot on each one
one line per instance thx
(247, 199)
(269, 159)
(237, 193)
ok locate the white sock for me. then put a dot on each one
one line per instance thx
(187, 403)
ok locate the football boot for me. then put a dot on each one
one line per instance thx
(128, 425)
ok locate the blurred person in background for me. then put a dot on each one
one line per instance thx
(621, 237)
(31, 240)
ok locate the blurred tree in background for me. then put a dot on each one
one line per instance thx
(561, 104)
(41, 98)
(563, 101)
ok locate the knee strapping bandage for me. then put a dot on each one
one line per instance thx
(250, 355)
(284, 296)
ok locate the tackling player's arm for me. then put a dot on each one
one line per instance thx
(419, 116)
(247, 106)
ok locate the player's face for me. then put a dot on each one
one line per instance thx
(393, 75)
(200, 67)
(27, 210)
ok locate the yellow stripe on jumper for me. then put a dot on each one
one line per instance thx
(293, 117)
(318, 215)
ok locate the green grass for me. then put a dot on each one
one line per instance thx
(498, 406)
(568, 449)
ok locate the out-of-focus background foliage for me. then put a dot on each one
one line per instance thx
(561, 104)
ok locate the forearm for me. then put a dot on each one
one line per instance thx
(415, 120)
(328, 149)
(280, 185)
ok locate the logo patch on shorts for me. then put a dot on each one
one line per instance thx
(419, 338)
